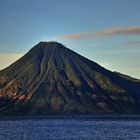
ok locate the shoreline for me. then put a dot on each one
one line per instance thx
(79, 117)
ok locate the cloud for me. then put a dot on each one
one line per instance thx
(7, 59)
(73, 36)
(131, 43)
(134, 69)
(130, 30)
(119, 51)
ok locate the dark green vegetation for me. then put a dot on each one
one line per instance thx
(51, 79)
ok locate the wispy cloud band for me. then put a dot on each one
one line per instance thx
(131, 43)
(130, 30)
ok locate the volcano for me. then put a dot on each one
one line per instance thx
(52, 79)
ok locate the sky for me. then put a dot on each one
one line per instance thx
(105, 31)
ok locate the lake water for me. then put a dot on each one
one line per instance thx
(84, 128)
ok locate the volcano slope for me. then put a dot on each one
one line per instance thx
(52, 79)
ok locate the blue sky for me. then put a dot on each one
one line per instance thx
(107, 32)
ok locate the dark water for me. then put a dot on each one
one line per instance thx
(70, 128)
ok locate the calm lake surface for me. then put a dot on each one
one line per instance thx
(66, 128)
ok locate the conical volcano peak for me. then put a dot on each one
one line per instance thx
(51, 44)
(45, 48)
